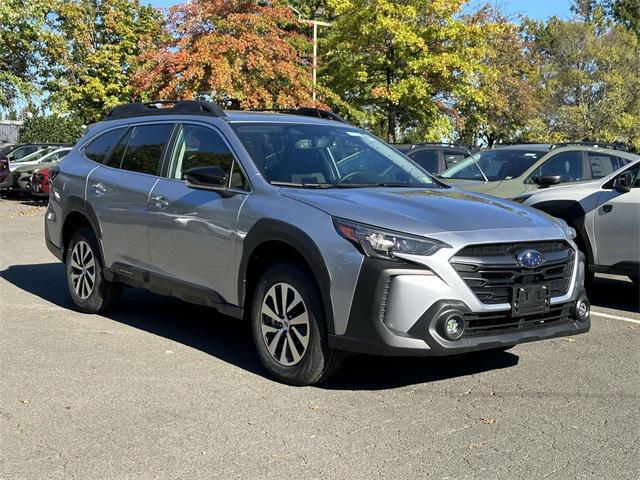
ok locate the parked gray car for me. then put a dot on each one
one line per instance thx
(324, 237)
(606, 215)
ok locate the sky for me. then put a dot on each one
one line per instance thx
(538, 9)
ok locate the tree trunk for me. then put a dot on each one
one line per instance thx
(391, 125)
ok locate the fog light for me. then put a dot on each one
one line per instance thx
(582, 309)
(453, 327)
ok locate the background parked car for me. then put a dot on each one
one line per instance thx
(606, 215)
(20, 171)
(19, 151)
(6, 148)
(513, 170)
(435, 157)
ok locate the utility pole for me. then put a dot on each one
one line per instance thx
(316, 24)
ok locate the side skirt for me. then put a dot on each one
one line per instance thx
(170, 287)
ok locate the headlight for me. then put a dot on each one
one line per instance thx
(379, 243)
(570, 232)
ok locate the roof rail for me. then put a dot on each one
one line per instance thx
(189, 107)
(306, 112)
(610, 146)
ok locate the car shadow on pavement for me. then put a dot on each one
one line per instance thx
(618, 293)
(230, 340)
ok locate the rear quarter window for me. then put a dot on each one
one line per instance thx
(98, 149)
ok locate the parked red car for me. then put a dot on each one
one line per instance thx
(40, 183)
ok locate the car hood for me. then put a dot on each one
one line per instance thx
(422, 211)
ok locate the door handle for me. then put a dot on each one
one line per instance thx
(98, 189)
(607, 208)
(159, 202)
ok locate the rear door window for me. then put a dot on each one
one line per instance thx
(98, 149)
(427, 159)
(602, 164)
(144, 147)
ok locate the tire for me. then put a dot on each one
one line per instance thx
(276, 339)
(88, 288)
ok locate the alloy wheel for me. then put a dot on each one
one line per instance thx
(285, 324)
(83, 270)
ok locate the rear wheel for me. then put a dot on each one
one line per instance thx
(88, 288)
(289, 327)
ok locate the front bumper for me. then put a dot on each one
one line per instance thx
(399, 310)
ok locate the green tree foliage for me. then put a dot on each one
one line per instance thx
(590, 81)
(52, 128)
(22, 39)
(404, 63)
(627, 13)
(508, 96)
(93, 55)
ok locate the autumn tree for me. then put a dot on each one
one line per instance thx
(507, 92)
(403, 63)
(237, 52)
(93, 54)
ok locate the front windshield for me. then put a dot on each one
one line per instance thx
(494, 165)
(326, 156)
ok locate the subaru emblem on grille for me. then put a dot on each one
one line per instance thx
(530, 258)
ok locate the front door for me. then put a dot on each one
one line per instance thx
(617, 224)
(193, 233)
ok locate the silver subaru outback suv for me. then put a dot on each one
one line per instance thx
(325, 238)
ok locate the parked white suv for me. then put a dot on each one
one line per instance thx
(606, 216)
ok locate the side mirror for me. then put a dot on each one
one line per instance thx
(207, 178)
(547, 180)
(623, 182)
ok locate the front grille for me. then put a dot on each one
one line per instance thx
(491, 271)
(500, 322)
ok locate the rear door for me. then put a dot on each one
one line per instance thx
(617, 224)
(118, 193)
(193, 233)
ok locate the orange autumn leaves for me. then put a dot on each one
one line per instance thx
(235, 52)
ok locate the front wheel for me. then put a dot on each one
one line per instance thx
(289, 327)
(88, 288)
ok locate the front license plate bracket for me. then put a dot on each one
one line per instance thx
(530, 300)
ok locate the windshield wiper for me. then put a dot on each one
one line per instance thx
(301, 185)
(381, 184)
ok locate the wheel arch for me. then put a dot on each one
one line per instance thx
(272, 240)
(572, 212)
(77, 215)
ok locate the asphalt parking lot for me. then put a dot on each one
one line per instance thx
(162, 389)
